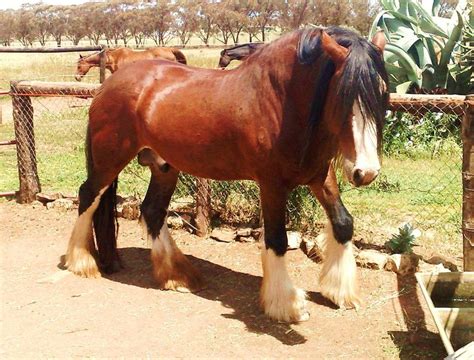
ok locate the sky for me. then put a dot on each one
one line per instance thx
(16, 4)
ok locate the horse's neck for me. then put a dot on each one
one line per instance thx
(116, 58)
(239, 53)
(277, 63)
(93, 59)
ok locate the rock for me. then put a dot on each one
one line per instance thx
(314, 248)
(61, 204)
(129, 209)
(47, 198)
(436, 259)
(175, 222)
(182, 203)
(256, 233)
(223, 235)
(244, 235)
(372, 259)
(37, 204)
(294, 240)
(245, 232)
(402, 264)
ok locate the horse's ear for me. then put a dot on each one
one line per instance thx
(80, 56)
(379, 40)
(336, 52)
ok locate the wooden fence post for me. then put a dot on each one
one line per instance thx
(468, 184)
(203, 206)
(25, 146)
(102, 63)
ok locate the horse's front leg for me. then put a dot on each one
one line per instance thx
(171, 268)
(280, 299)
(338, 276)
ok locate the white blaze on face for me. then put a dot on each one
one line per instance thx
(365, 167)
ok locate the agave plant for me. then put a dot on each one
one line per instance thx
(403, 242)
(424, 50)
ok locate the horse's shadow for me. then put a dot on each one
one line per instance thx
(236, 290)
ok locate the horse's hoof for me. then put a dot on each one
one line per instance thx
(114, 267)
(344, 302)
(304, 316)
(287, 307)
(82, 263)
(351, 303)
(185, 286)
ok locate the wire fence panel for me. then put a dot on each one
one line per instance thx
(420, 182)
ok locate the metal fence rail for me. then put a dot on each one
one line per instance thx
(420, 183)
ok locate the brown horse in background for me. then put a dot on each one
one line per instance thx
(280, 123)
(116, 58)
(238, 52)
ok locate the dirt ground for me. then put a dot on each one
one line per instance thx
(47, 312)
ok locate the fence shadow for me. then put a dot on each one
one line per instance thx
(417, 342)
(235, 290)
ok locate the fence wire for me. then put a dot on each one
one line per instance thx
(420, 182)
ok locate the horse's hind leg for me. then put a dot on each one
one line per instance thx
(80, 255)
(171, 269)
(280, 299)
(338, 276)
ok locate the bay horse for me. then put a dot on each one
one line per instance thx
(279, 122)
(238, 52)
(116, 58)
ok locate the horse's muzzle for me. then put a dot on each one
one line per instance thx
(361, 177)
(78, 77)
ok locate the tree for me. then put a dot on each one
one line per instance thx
(264, 14)
(42, 22)
(24, 26)
(95, 21)
(231, 19)
(76, 27)
(58, 20)
(186, 20)
(447, 7)
(136, 25)
(159, 22)
(363, 12)
(331, 12)
(7, 27)
(294, 14)
(207, 28)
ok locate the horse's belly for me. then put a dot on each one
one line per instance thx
(214, 162)
(206, 153)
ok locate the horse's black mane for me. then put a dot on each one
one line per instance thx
(364, 77)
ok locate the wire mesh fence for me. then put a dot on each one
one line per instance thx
(420, 182)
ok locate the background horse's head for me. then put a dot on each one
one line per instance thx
(351, 95)
(84, 64)
(224, 59)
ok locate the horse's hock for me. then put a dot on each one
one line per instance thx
(50, 120)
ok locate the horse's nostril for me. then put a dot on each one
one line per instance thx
(358, 177)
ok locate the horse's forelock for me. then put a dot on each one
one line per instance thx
(363, 78)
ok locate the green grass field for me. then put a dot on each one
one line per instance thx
(423, 189)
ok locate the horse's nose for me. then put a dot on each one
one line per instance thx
(78, 77)
(364, 176)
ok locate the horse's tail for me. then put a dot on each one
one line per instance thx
(104, 219)
(179, 56)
